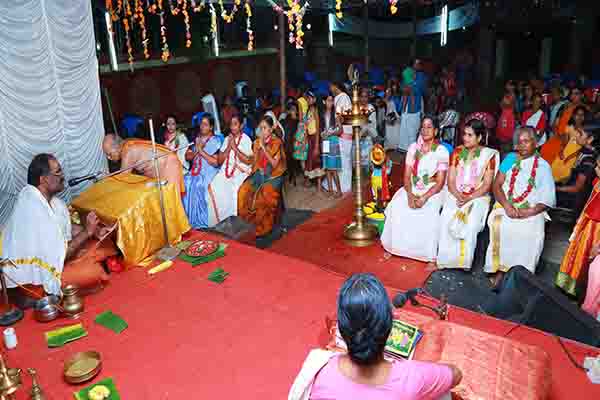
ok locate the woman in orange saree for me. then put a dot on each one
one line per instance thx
(259, 195)
(556, 143)
(572, 276)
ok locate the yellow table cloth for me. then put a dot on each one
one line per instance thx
(133, 202)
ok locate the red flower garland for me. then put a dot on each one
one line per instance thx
(530, 183)
(230, 174)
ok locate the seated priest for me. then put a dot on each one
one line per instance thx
(133, 151)
(48, 251)
(523, 189)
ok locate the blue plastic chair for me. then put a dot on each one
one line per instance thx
(130, 124)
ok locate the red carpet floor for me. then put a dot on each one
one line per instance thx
(244, 339)
(320, 241)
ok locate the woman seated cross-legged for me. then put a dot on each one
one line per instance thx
(259, 195)
(365, 322)
(412, 218)
(470, 177)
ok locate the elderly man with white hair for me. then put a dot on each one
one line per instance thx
(524, 189)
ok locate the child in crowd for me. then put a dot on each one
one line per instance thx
(507, 123)
(332, 159)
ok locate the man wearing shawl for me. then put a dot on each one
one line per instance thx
(342, 104)
(133, 151)
(524, 189)
(40, 240)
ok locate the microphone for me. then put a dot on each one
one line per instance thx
(402, 297)
(78, 180)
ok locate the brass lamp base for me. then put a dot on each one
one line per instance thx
(360, 234)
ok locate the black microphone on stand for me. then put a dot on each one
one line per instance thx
(76, 181)
(402, 297)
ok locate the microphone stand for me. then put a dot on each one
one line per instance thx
(441, 310)
(168, 252)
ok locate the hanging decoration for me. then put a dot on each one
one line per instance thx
(129, 12)
(393, 7)
(248, 25)
(338, 9)
(127, 28)
(213, 19)
(141, 19)
(294, 15)
(229, 17)
(186, 21)
(163, 33)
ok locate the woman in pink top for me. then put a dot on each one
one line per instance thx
(365, 322)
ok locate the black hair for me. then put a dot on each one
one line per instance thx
(39, 166)
(364, 318)
(209, 117)
(340, 85)
(593, 131)
(478, 127)
(170, 116)
(268, 120)
(434, 120)
(578, 108)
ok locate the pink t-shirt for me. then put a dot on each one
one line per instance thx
(408, 380)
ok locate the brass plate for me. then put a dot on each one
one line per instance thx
(82, 367)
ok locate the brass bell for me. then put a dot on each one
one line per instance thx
(36, 391)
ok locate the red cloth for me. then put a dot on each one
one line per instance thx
(541, 125)
(506, 125)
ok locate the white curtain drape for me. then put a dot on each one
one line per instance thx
(49, 92)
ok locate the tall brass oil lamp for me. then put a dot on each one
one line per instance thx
(359, 233)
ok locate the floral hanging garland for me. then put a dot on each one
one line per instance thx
(338, 9)
(248, 25)
(127, 28)
(229, 17)
(420, 182)
(393, 6)
(295, 16)
(530, 182)
(467, 184)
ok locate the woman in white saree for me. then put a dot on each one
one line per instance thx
(470, 176)
(235, 159)
(524, 189)
(412, 218)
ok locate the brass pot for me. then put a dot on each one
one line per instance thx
(72, 303)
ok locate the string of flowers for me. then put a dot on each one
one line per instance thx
(338, 9)
(139, 15)
(229, 17)
(295, 16)
(186, 21)
(174, 8)
(248, 25)
(393, 7)
(127, 28)
(418, 181)
(213, 19)
(530, 182)
(163, 33)
(197, 8)
(150, 7)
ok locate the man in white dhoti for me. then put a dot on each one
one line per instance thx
(470, 177)
(343, 103)
(409, 107)
(38, 236)
(412, 218)
(524, 189)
